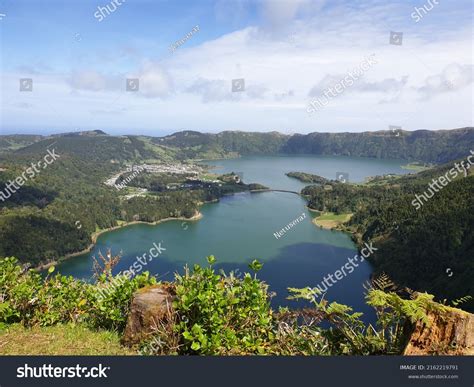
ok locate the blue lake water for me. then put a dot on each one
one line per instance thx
(241, 228)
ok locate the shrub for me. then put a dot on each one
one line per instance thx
(222, 314)
(111, 297)
(215, 313)
(27, 298)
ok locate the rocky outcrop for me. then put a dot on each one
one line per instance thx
(150, 310)
(450, 332)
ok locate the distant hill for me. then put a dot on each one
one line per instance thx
(99, 147)
(421, 145)
(225, 144)
(83, 133)
(17, 141)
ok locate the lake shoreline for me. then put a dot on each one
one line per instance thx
(97, 234)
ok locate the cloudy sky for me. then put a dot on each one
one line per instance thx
(79, 55)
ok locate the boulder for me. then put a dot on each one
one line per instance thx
(450, 332)
(150, 309)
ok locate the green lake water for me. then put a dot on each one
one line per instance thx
(240, 228)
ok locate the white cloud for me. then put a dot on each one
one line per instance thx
(279, 14)
(279, 73)
(155, 81)
(454, 77)
(89, 80)
(219, 90)
(212, 90)
(284, 95)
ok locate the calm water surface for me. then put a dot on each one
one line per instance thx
(240, 228)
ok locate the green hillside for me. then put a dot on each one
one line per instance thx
(415, 247)
(420, 145)
(17, 141)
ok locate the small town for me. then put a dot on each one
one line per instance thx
(172, 168)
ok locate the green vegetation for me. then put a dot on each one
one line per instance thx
(330, 220)
(223, 315)
(415, 247)
(421, 145)
(98, 147)
(229, 144)
(417, 167)
(61, 339)
(214, 314)
(14, 142)
(56, 213)
(308, 178)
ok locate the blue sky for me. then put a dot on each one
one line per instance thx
(288, 52)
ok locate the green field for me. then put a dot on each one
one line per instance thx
(331, 220)
(67, 339)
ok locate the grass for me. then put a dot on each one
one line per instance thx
(59, 340)
(417, 167)
(330, 220)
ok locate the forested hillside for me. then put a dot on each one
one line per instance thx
(14, 142)
(56, 212)
(99, 148)
(421, 145)
(430, 249)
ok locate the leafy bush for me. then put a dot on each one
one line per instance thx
(222, 314)
(349, 335)
(27, 298)
(110, 301)
(215, 313)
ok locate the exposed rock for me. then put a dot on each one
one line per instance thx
(450, 332)
(151, 308)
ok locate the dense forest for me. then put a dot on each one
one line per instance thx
(430, 249)
(427, 146)
(420, 145)
(57, 212)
